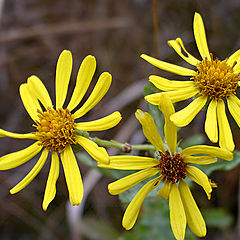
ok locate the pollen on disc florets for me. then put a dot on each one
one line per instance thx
(216, 78)
(55, 128)
(173, 168)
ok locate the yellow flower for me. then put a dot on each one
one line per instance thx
(169, 167)
(213, 81)
(56, 129)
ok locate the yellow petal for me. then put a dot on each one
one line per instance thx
(203, 160)
(211, 127)
(234, 107)
(186, 115)
(194, 217)
(15, 159)
(30, 102)
(63, 74)
(72, 176)
(225, 133)
(178, 46)
(4, 133)
(96, 152)
(128, 162)
(200, 178)
(132, 211)
(169, 66)
(149, 129)
(84, 78)
(39, 91)
(170, 129)
(200, 36)
(169, 85)
(131, 180)
(50, 190)
(210, 150)
(177, 214)
(165, 190)
(234, 58)
(101, 124)
(32, 174)
(97, 94)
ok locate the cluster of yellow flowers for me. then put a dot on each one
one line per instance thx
(56, 131)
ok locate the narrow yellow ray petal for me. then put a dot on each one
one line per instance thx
(39, 91)
(84, 78)
(234, 108)
(200, 36)
(129, 162)
(235, 57)
(101, 124)
(165, 190)
(200, 178)
(149, 129)
(169, 85)
(225, 133)
(211, 127)
(169, 66)
(170, 129)
(202, 160)
(30, 102)
(178, 46)
(63, 74)
(4, 133)
(97, 94)
(132, 211)
(32, 174)
(50, 190)
(177, 214)
(15, 159)
(97, 153)
(187, 114)
(194, 217)
(131, 180)
(72, 176)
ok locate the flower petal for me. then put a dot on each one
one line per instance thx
(169, 66)
(32, 174)
(72, 176)
(187, 114)
(200, 178)
(211, 127)
(132, 211)
(131, 180)
(235, 57)
(225, 133)
(101, 124)
(96, 152)
(169, 85)
(170, 129)
(234, 107)
(194, 217)
(63, 74)
(97, 94)
(165, 190)
(50, 190)
(177, 214)
(30, 102)
(39, 91)
(149, 129)
(200, 36)
(202, 160)
(178, 46)
(15, 159)
(84, 78)
(129, 162)
(4, 133)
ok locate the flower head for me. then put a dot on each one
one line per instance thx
(211, 82)
(171, 168)
(56, 127)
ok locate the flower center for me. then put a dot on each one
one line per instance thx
(216, 78)
(56, 129)
(173, 168)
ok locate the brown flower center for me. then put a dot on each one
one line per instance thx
(56, 129)
(216, 78)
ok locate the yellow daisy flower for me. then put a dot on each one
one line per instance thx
(213, 81)
(56, 128)
(169, 167)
